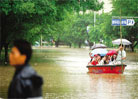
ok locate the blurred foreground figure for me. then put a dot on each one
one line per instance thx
(25, 83)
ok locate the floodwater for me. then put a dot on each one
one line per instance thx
(65, 76)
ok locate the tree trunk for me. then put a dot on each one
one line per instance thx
(0, 38)
(1, 46)
(0, 51)
(57, 43)
(79, 45)
(90, 44)
(133, 46)
(70, 45)
(6, 53)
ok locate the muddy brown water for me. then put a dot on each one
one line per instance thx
(65, 76)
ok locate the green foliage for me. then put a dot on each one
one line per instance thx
(75, 28)
(22, 17)
(127, 8)
(101, 30)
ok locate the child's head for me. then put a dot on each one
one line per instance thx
(109, 57)
(106, 59)
(98, 57)
(114, 56)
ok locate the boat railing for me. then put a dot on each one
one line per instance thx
(106, 65)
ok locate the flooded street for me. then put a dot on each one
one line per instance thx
(65, 76)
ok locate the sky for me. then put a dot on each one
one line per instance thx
(107, 5)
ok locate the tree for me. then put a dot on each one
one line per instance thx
(20, 17)
(128, 8)
(30, 19)
(102, 29)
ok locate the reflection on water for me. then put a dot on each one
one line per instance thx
(65, 75)
(108, 86)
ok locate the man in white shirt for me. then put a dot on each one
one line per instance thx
(119, 56)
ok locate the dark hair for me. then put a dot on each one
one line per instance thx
(102, 56)
(25, 48)
(122, 45)
(112, 59)
(98, 54)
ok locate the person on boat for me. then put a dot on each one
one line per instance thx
(105, 60)
(102, 61)
(120, 57)
(97, 59)
(113, 59)
(90, 54)
(109, 58)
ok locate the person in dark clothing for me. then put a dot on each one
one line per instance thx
(26, 83)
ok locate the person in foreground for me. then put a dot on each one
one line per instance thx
(26, 83)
